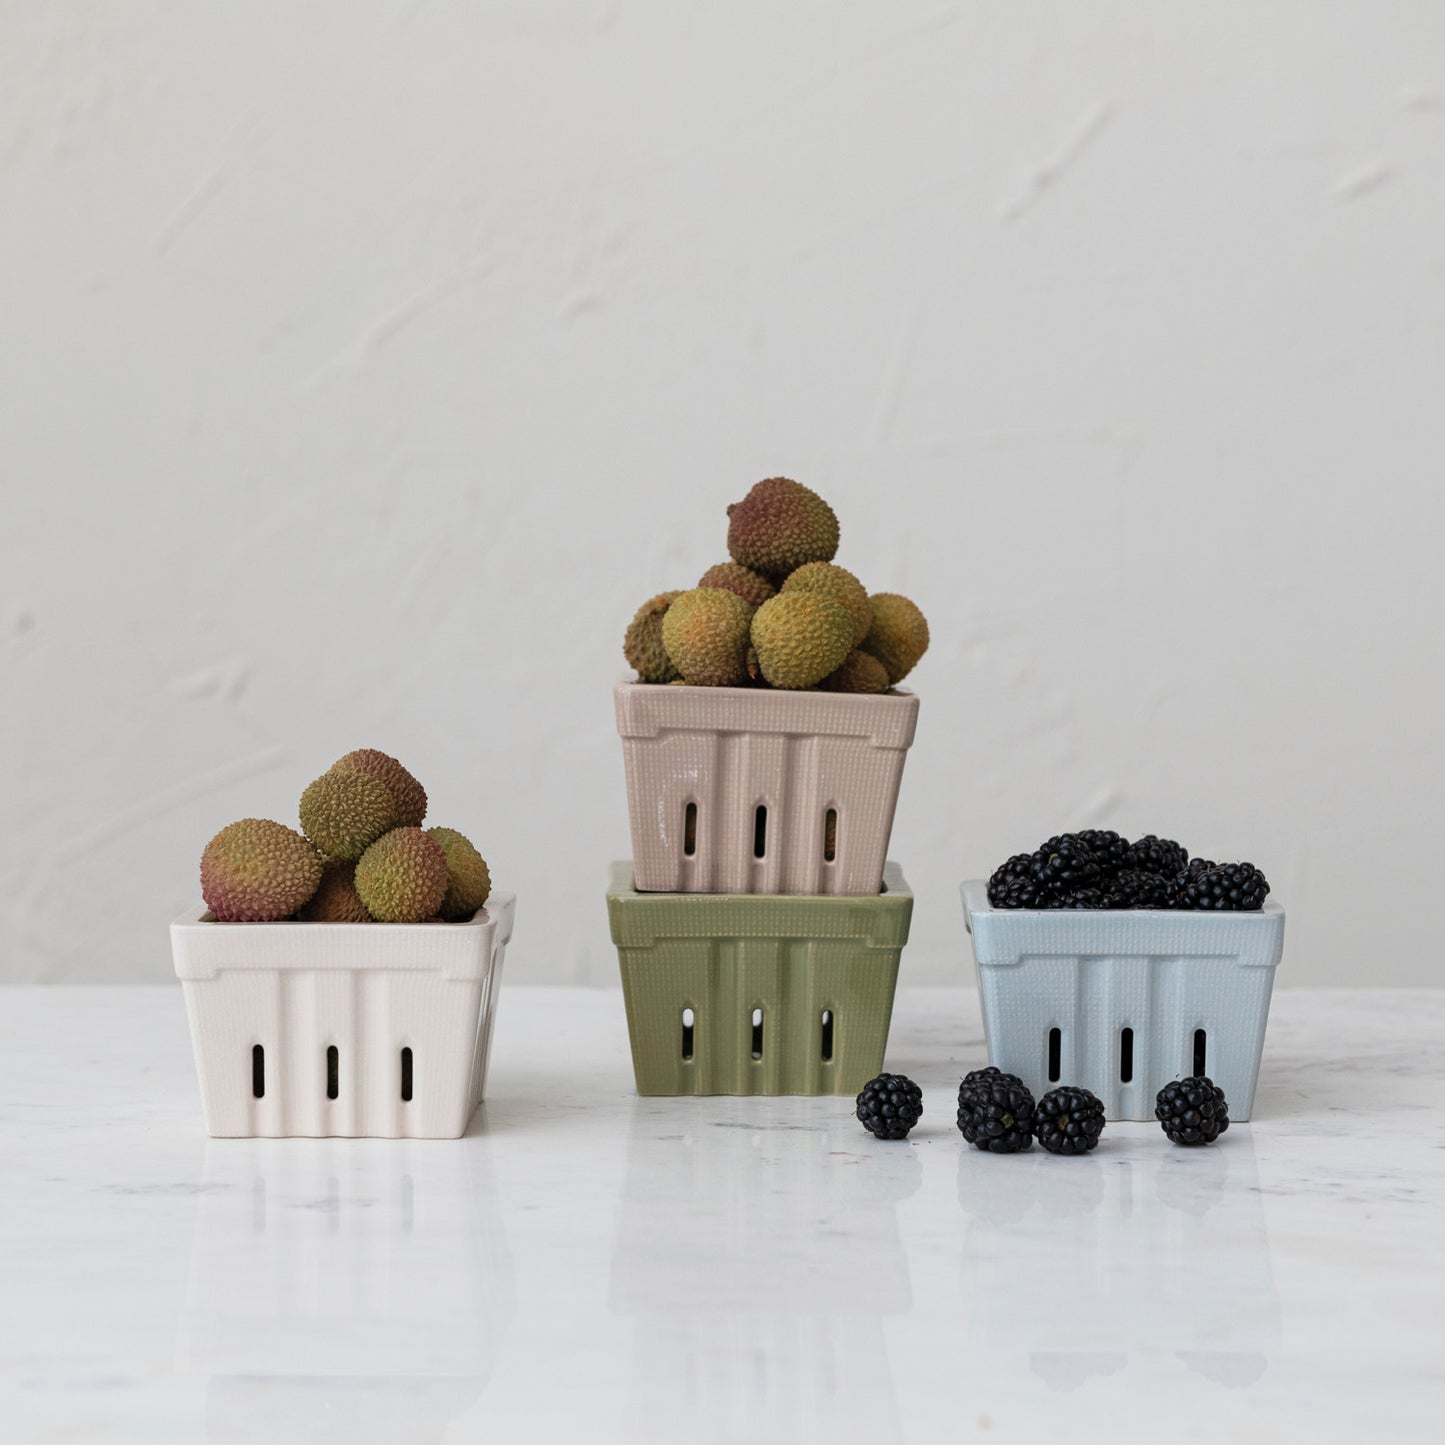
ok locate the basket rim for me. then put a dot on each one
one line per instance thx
(891, 698)
(622, 887)
(200, 950)
(646, 710)
(499, 903)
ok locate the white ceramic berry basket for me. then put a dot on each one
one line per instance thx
(376, 1030)
(1122, 1001)
(749, 790)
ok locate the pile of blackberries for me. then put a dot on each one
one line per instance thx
(1101, 869)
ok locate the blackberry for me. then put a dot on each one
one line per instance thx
(890, 1106)
(986, 1075)
(1192, 1111)
(1186, 877)
(1134, 888)
(1081, 898)
(1068, 1121)
(995, 1111)
(1013, 885)
(1108, 848)
(1229, 887)
(1157, 855)
(1064, 864)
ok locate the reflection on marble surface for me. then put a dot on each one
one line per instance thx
(587, 1265)
(344, 1289)
(758, 1249)
(766, 1201)
(1125, 1251)
(339, 1410)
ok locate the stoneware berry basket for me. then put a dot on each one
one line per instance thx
(1123, 1001)
(374, 1030)
(741, 994)
(747, 790)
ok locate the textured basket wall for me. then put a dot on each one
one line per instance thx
(1062, 987)
(726, 958)
(725, 752)
(367, 990)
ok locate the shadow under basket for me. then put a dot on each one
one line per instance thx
(1123, 1001)
(749, 994)
(352, 1030)
(748, 790)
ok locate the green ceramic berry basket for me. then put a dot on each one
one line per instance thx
(757, 993)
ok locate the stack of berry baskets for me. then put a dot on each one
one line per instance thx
(1121, 967)
(758, 924)
(342, 980)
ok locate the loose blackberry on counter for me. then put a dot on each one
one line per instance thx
(1232, 887)
(985, 1075)
(1068, 1121)
(995, 1111)
(1157, 855)
(1065, 864)
(1192, 1111)
(890, 1106)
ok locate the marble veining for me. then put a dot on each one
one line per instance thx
(587, 1264)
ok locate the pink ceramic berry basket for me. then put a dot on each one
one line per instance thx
(748, 790)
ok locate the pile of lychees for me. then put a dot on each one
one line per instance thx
(364, 858)
(781, 613)
(1101, 869)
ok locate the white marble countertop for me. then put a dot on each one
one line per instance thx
(589, 1265)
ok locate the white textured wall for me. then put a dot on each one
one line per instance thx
(362, 366)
